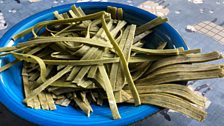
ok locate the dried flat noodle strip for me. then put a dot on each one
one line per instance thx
(43, 101)
(182, 76)
(8, 65)
(174, 103)
(82, 105)
(157, 51)
(76, 69)
(149, 25)
(51, 22)
(103, 79)
(174, 89)
(124, 63)
(26, 85)
(189, 58)
(48, 82)
(94, 42)
(185, 67)
(35, 59)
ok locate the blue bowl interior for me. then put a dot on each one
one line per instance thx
(11, 89)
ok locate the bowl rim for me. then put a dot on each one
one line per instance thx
(5, 98)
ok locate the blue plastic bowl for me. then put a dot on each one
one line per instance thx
(11, 90)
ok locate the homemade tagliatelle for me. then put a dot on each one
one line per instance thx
(100, 57)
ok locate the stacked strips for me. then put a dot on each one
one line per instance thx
(84, 59)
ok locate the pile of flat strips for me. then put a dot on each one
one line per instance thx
(100, 57)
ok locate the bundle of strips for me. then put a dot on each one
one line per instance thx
(92, 58)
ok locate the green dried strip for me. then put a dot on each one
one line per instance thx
(120, 81)
(125, 96)
(141, 71)
(84, 83)
(127, 49)
(145, 66)
(109, 91)
(120, 14)
(37, 49)
(65, 29)
(118, 27)
(79, 12)
(32, 68)
(59, 55)
(185, 67)
(99, 34)
(16, 50)
(99, 101)
(182, 76)
(26, 87)
(60, 91)
(85, 69)
(6, 49)
(96, 61)
(72, 14)
(63, 102)
(189, 58)
(60, 83)
(8, 65)
(94, 42)
(59, 67)
(43, 101)
(51, 22)
(58, 16)
(73, 73)
(149, 25)
(85, 100)
(64, 84)
(66, 102)
(138, 44)
(81, 51)
(162, 45)
(141, 36)
(47, 83)
(33, 103)
(176, 104)
(174, 89)
(33, 59)
(113, 11)
(134, 67)
(76, 69)
(123, 62)
(48, 71)
(96, 22)
(76, 11)
(34, 76)
(92, 72)
(115, 72)
(82, 105)
(36, 103)
(191, 51)
(157, 51)
(88, 31)
(49, 30)
(118, 39)
(50, 101)
(59, 101)
(58, 96)
(65, 15)
(92, 96)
